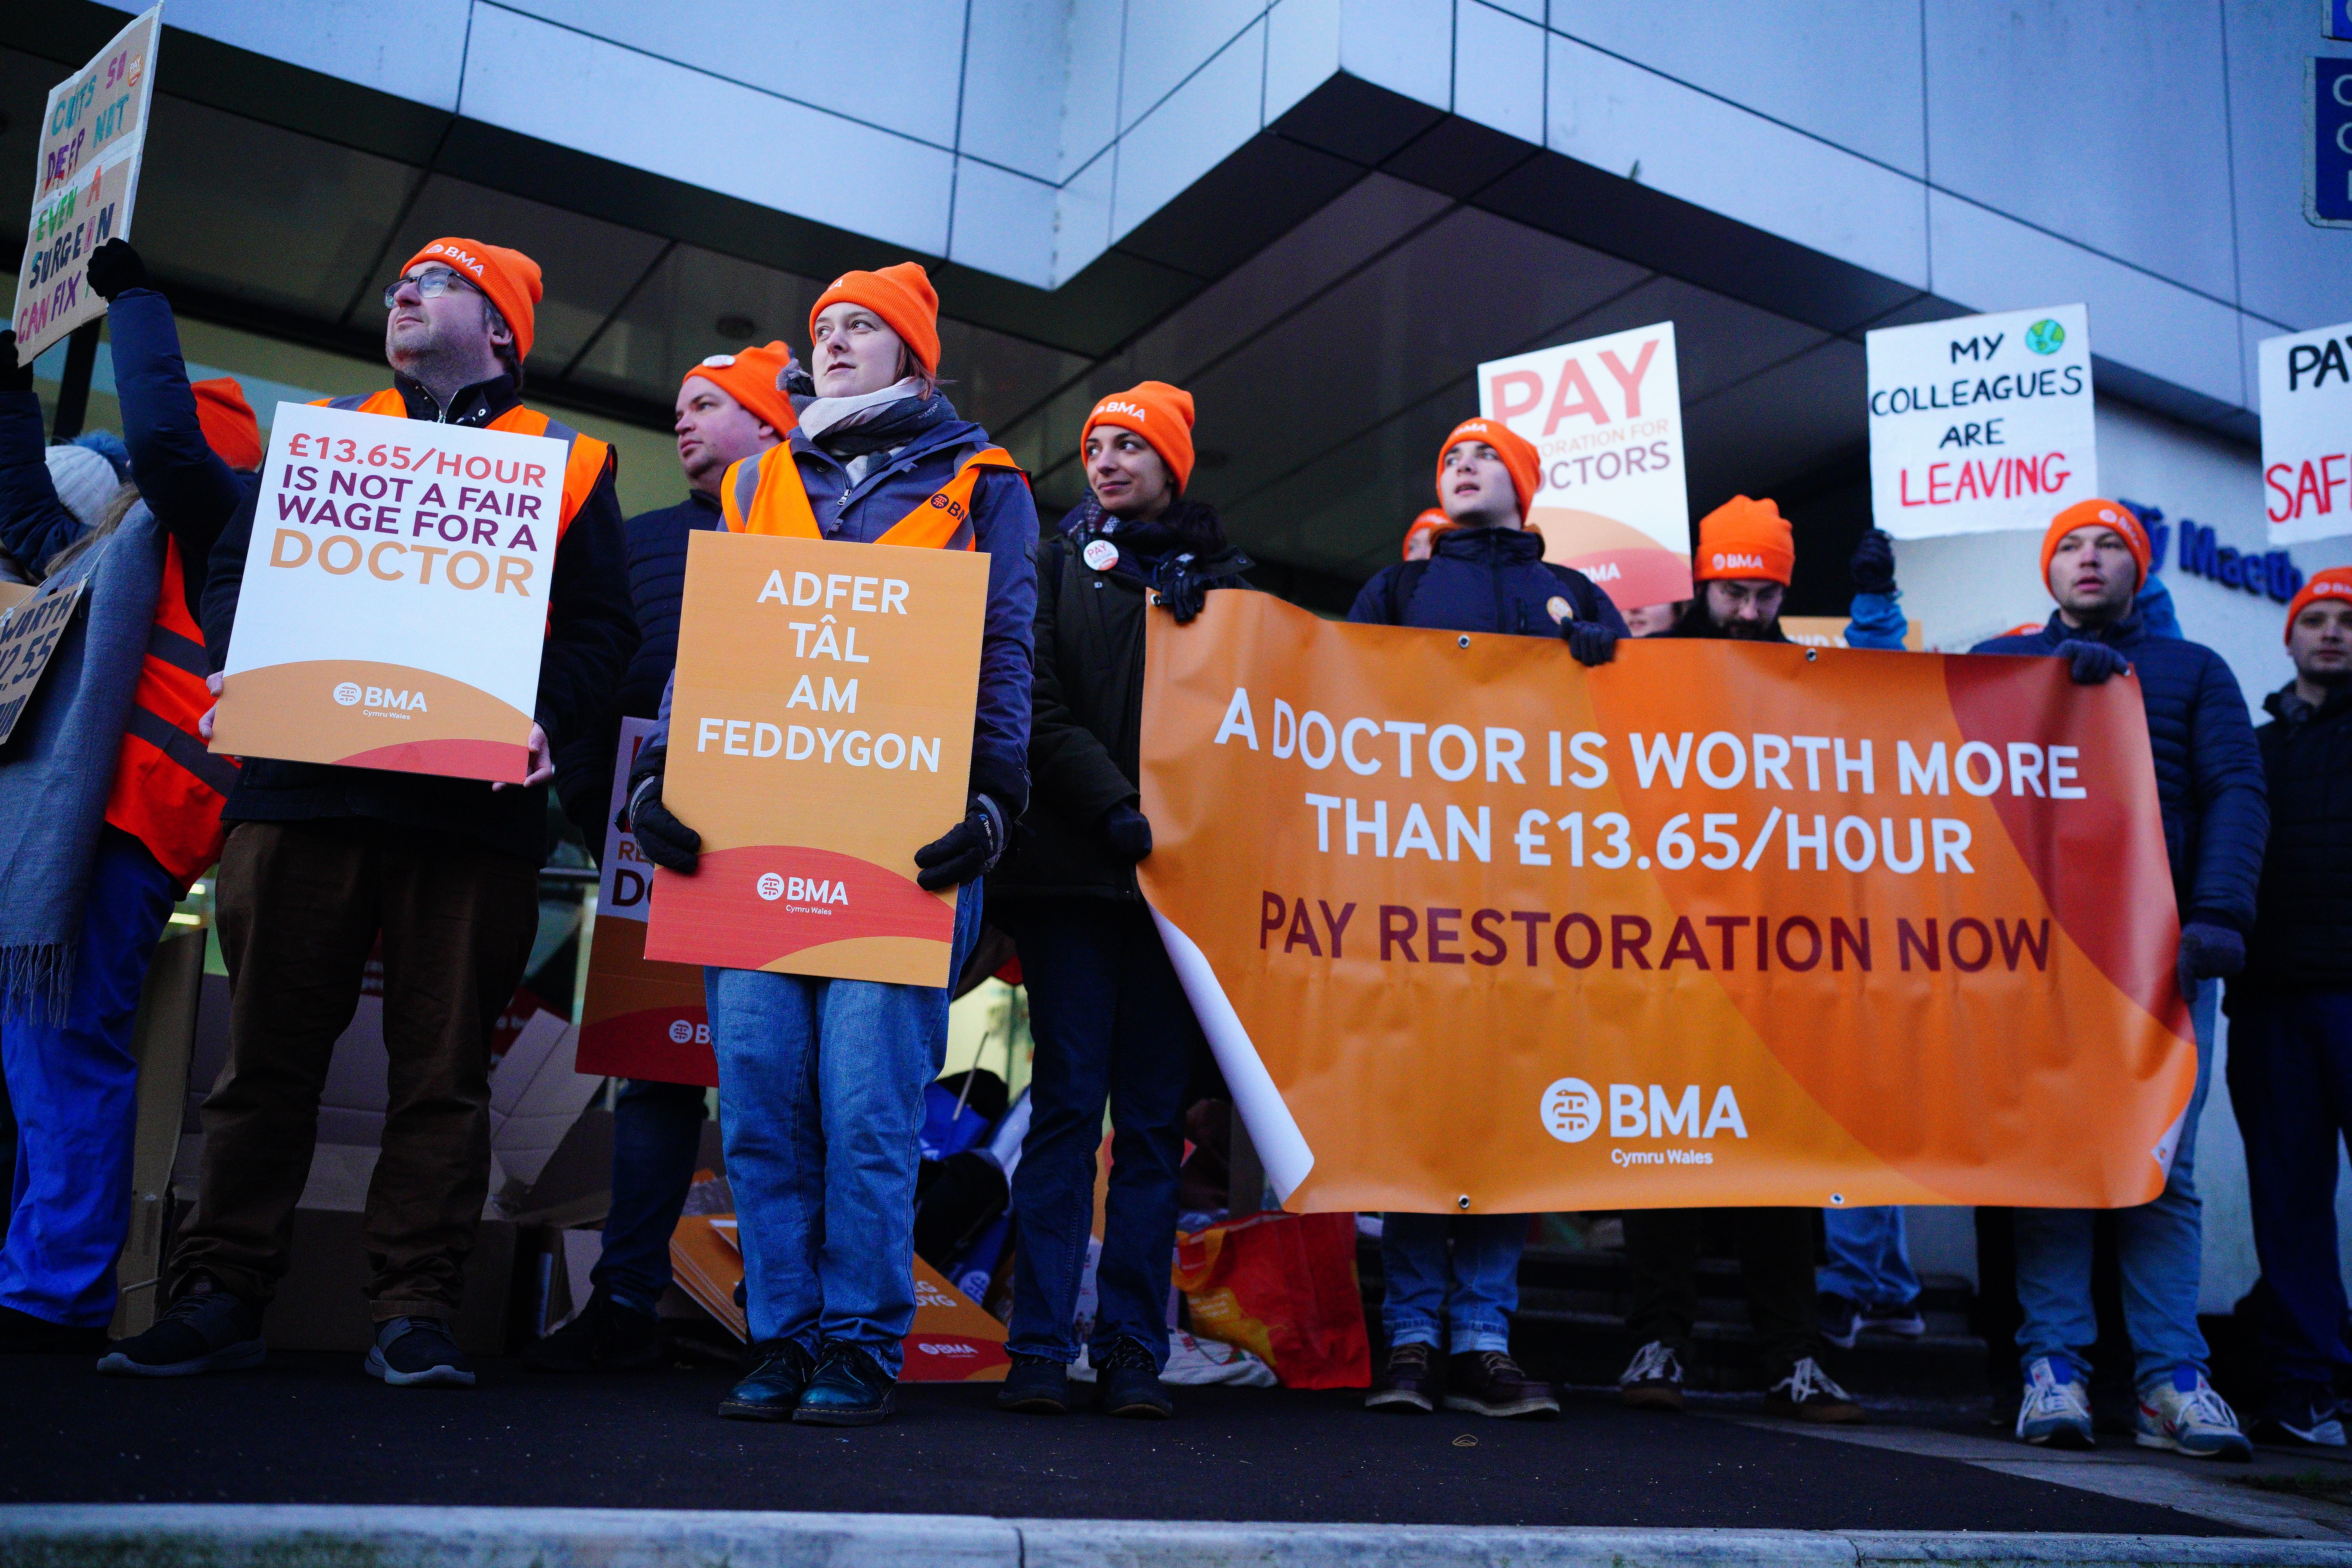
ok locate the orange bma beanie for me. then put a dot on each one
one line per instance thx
(2335, 583)
(1160, 413)
(1432, 521)
(902, 296)
(230, 429)
(2097, 514)
(509, 278)
(1746, 540)
(1519, 455)
(751, 377)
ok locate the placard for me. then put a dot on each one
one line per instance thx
(641, 1018)
(29, 633)
(394, 601)
(1606, 418)
(820, 734)
(2307, 391)
(85, 181)
(1980, 423)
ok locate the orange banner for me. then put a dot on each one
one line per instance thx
(1475, 929)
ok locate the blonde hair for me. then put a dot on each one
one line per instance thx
(117, 506)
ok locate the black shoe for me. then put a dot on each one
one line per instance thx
(1126, 1381)
(2303, 1416)
(1408, 1383)
(848, 1390)
(1036, 1385)
(21, 1333)
(772, 1390)
(1489, 1382)
(1841, 1319)
(203, 1330)
(604, 1337)
(417, 1352)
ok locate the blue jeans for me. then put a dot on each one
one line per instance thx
(1472, 1286)
(2159, 1248)
(1112, 1023)
(822, 1084)
(656, 1133)
(2291, 1085)
(1869, 1263)
(75, 1089)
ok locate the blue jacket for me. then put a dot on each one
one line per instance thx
(2208, 771)
(2303, 932)
(1486, 580)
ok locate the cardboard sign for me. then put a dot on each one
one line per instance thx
(820, 734)
(2306, 382)
(1606, 416)
(641, 1018)
(1716, 923)
(1980, 423)
(29, 633)
(84, 180)
(395, 603)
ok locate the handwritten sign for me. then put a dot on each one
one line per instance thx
(29, 633)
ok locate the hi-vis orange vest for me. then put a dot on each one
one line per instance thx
(589, 457)
(168, 789)
(769, 498)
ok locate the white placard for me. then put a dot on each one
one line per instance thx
(1980, 423)
(2306, 382)
(622, 888)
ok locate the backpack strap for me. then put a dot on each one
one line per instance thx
(1402, 585)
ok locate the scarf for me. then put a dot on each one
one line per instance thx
(57, 769)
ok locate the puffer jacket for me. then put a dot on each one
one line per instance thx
(2209, 771)
(1485, 580)
(2303, 913)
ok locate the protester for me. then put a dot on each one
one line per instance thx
(729, 408)
(1655, 620)
(1421, 538)
(1109, 1019)
(2291, 1019)
(320, 859)
(1747, 554)
(823, 1079)
(1458, 1274)
(2209, 778)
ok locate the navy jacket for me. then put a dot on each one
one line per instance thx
(2303, 916)
(2209, 771)
(589, 636)
(1488, 580)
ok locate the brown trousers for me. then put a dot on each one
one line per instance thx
(299, 906)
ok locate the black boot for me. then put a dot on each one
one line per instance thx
(1127, 1381)
(1036, 1385)
(850, 1389)
(604, 1337)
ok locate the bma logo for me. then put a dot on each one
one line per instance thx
(1113, 405)
(949, 1347)
(471, 263)
(1571, 1111)
(685, 1033)
(348, 693)
(351, 694)
(1725, 563)
(815, 890)
(772, 886)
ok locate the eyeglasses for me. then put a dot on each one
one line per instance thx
(431, 284)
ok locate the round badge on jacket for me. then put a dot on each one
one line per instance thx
(1561, 610)
(1100, 554)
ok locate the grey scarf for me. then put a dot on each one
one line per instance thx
(57, 769)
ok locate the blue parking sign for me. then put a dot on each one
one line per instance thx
(2327, 176)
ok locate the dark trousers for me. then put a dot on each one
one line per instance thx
(2291, 1085)
(656, 1136)
(301, 904)
(1112, 1023)
(1776, 1264)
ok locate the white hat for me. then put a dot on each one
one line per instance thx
(84, 479)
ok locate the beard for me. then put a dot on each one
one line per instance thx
(1748, 631)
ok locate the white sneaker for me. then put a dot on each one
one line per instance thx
(2185, 1415)
(2056, 1409)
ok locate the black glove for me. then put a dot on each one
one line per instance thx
(2094, 661)
(668, 842)
(1589, 641)
(1183, 598)
(2209, 952)
(1128, 832)
(1874, 562)
(966, 851)
(115, 267)
(14, 377)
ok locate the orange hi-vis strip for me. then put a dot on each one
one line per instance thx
(769, 498)
(587, 460)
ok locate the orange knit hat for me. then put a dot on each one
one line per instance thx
(752, 377)
(509, 277)
(1746, 540)
(902, 296)
(2335, 583)
(2097, 514)
(1160, 413)
(1432, 521)
(1519, 455)
(230, 429)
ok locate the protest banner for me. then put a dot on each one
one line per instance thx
(29, 633)
(1606, 416)
(640, 1018)
(85, 182)
(1829, 631)
(1715, 923)
(2307, 390)
(820, 734)
(425, 661)
(1980, 423)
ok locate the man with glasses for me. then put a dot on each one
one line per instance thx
(320, 859)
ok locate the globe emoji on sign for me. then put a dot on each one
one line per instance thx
(1571, 1111)
(2045, 336)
